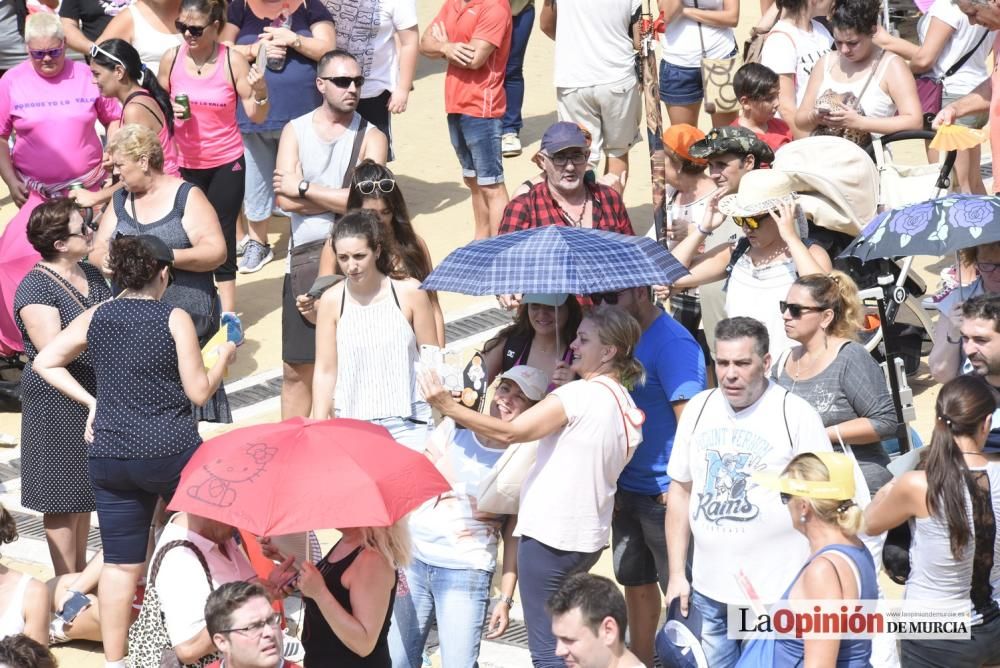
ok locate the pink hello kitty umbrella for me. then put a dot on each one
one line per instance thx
(303, 474)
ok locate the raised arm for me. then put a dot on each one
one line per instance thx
(199, 385)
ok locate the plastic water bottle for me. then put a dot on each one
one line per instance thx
(282, 20)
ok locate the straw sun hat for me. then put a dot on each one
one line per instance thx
(761, 191)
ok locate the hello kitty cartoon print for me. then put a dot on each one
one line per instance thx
(227, 475)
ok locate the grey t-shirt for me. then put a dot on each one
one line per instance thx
(12, 49)
(852, 386)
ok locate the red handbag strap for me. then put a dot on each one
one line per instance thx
(621, 410)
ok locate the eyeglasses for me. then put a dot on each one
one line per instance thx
(606, 297)
(95, 50)
(345, 82)
(255, 629)
(194, 31)
(785, 498)
(42, 54)
(987, 267)
(560, 159)
(368, 187)
(796, 310)
(751, 223)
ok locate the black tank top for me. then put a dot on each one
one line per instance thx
(323, 648)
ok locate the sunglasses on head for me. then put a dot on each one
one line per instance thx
(796, 310)
(41, 54)
(606, 297)
(368, 187)
(95, 50)
(345, 82)
(194, 31)
(751, 223)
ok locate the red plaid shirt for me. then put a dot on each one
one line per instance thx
(537, 208)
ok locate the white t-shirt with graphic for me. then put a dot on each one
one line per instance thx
(736, 523)
(569, 494)
(791, 50)
(366, 29)
(448, 531)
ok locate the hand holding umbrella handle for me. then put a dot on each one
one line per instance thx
(311, 583)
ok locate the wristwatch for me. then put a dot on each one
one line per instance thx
(303, 187)
(507, 600)
(297, 44)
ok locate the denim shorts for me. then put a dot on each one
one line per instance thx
(974, 121)
(126, 491)
(477, 145)
(261, 152)
(639, 540)
(680, 85)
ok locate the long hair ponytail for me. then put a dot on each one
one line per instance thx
(128, 58)
(962, 405)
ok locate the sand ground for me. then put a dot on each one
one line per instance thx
(429, 176)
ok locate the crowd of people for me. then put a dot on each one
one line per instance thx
(724, 434)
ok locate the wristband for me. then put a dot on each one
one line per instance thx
(260, 103)
(954, 343)
(707, 233)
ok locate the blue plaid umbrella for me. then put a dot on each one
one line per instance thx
(555, 259)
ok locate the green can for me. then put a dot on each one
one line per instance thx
(76, 185)
(182, 100)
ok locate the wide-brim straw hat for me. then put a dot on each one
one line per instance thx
(761, 191)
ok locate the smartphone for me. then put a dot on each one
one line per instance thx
(74, 606)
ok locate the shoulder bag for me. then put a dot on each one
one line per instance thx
(148, 642)
(500, 491)
(717, 79)
(304, 258)
(930, 89)
(754, 44)
(859, 137)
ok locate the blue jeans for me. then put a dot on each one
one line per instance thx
(513, 82)
(720, 651)
(457, 598)
(477, 145)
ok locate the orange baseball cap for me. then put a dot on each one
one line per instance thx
(680, 138)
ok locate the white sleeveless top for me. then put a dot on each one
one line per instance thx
(936, 574)
(12, 620)
(875, 102)
(376, 354)
(149, 42)
(325, 163)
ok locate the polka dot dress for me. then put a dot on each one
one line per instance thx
(54, 477)
(142, 411)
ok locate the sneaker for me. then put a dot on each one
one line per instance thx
(949, 281)
(235, 328)
(255, 257)
(241, 245)
(293, 649)
(510, 145)
(57, 632)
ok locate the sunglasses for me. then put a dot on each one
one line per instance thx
(796, 310)
(750, 223)
(987, 267)
(785, 498)
(194, 31)
(345, 82)
(95, 50)
(42, 54)
(606, 297)
(368, 187)
(560, 159)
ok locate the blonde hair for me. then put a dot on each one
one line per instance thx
(42, 25)
(844, 513)
(392, 542)
(838, 292)
(615, 327)
(133, 141)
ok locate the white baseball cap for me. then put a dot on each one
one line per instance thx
(533, 383)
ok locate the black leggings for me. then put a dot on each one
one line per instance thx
(223, 186)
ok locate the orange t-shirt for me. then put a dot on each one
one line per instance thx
(478, 93)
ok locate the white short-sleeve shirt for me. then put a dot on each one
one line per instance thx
(568, 497)
(790, 50)
(367, 30)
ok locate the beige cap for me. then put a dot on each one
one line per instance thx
(532, 382)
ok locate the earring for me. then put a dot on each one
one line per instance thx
(802, 518)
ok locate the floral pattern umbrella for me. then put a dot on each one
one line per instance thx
(935, 227)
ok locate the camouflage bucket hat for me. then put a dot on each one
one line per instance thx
(733, 139)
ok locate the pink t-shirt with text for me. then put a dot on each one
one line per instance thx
(54, 119)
